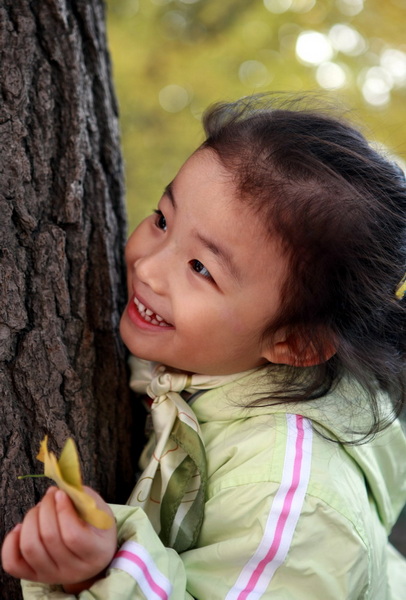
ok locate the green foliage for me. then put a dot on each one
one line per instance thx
(172, 58)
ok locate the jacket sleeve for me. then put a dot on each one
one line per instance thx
(143, 567)
(248, 544)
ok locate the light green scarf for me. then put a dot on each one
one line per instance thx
(171, 489)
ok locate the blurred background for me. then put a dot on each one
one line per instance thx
(172, 58)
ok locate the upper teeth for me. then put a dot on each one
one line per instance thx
(148, 314)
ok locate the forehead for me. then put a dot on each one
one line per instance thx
(208, 191)
(207, 195)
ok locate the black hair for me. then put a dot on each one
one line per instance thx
(339, 207)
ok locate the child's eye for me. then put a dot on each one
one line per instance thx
(200, 268)
(160, 220)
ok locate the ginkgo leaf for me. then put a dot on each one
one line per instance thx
(67, 476)
(401, 289)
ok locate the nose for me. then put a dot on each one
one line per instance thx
(151, 269)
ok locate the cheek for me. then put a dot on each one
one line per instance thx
(129, 248)
(246, 325)
(136, 243)
(232, 321)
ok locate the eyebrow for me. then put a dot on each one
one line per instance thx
(168, 191)
(219, 251)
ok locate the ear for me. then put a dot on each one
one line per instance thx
(298, 348)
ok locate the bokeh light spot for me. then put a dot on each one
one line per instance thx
(302, 6)
(313, 48)
(350, 7)
(277, 6)
(376, 86)
(173, 98)
(174, 24)
(394, 61)
(331, 76)
(346, 39)
(254, 73)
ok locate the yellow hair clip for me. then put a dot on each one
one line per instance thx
(401, 289)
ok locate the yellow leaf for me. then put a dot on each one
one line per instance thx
(67, 476)
(69, 464)
(401, 289)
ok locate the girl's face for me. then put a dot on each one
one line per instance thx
(204, 281)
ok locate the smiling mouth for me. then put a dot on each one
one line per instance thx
(148, 315)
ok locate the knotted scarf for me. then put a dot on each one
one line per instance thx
(171, 489)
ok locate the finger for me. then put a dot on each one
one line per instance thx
(12, 560)
(75, 533)
(93, 547)
(49, 529)
(31, 545)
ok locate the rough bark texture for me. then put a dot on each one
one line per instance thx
(62, 231)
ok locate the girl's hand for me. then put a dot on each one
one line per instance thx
(54, 545)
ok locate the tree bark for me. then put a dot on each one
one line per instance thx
(62, 232)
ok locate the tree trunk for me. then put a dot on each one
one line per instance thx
(62, 231)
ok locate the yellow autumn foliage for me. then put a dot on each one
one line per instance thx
(65, 472)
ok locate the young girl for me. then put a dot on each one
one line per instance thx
(267, 289)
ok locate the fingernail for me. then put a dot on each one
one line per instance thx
(59, 496)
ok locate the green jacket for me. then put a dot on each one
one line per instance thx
(289, 515)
